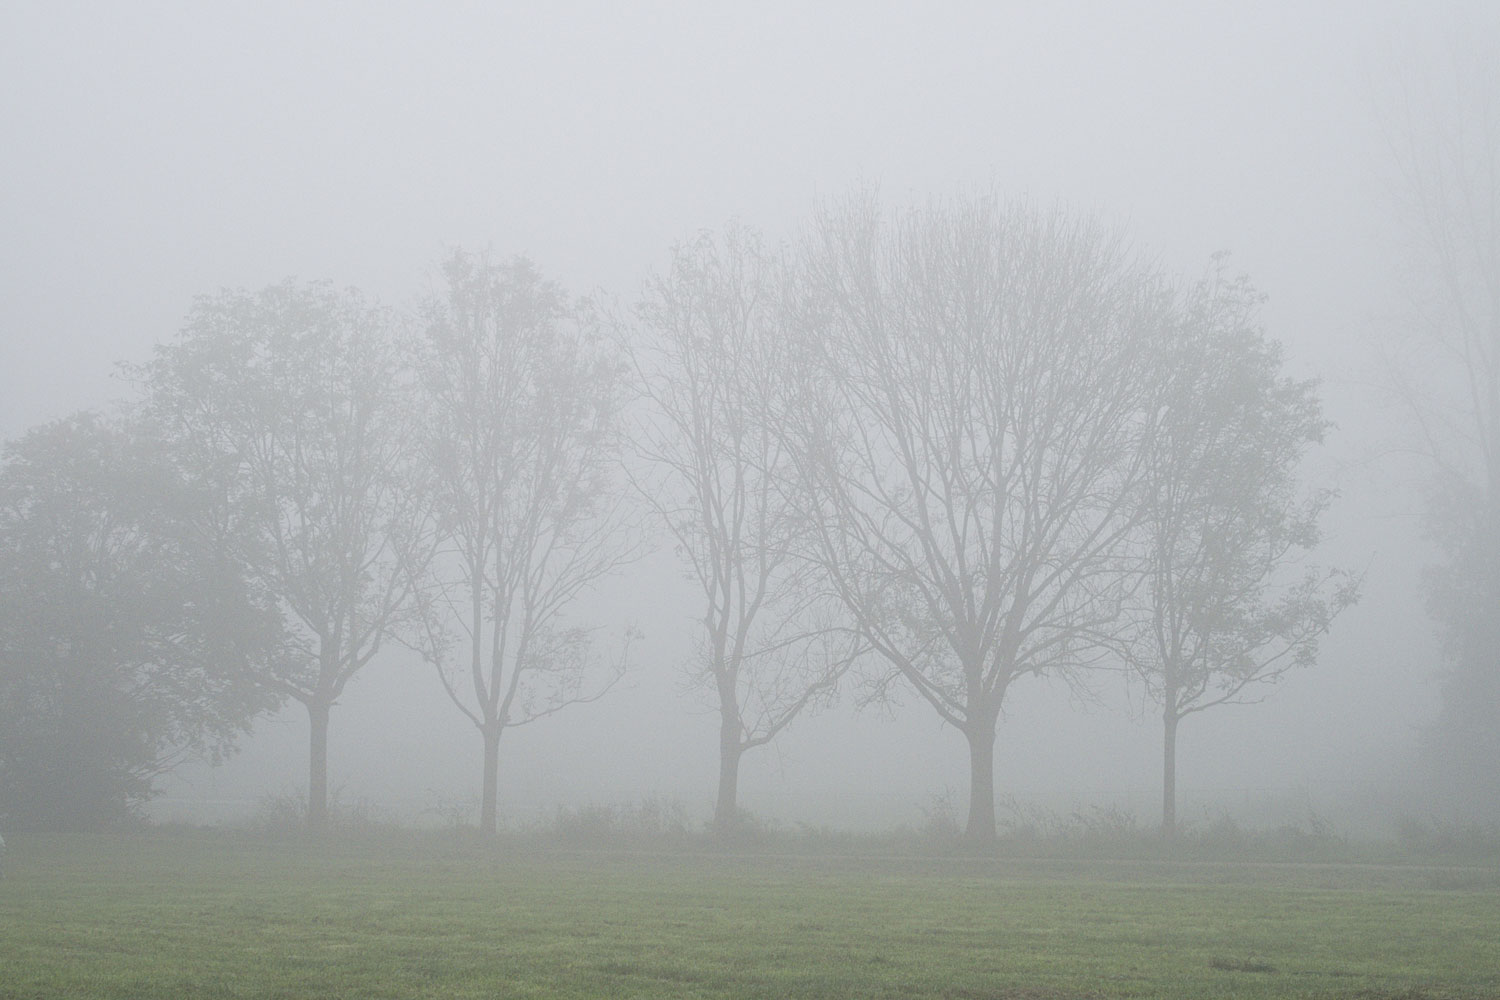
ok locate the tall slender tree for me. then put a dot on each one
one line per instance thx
(713, 358)
(291, 407)
(521, 445)
(1443, 127)
(1216, 617)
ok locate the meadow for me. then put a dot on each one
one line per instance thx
(193, 914)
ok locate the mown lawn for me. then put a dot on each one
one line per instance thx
(205, 916)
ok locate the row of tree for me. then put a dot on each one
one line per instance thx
(946, 448)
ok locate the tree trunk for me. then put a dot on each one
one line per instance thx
(488, 825)
(726, 808)
(1169, 774)
(317, 767)
(981, 828)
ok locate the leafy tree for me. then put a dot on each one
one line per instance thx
(971, 426)
(1443, 130)
(714, 355)
(1215, 616)
(291, 408)
(520, 448)
(124, 645)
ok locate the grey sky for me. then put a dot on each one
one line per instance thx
(155, 152)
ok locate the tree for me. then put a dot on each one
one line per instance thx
(1215, 617)
(1444, 136)
(971, 427)
(521, 442)
(710, 366)
(123, 646)
(290, 406)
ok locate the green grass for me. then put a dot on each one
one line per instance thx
(209, 916)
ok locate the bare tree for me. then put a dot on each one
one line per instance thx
(972, 427)
(714, 356)
(521, 446)
(1216, 618)
(288, 404)
(1443, 127)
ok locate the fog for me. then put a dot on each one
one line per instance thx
(153, 153)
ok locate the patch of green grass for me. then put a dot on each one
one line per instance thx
(203, 916)
(1240, 965)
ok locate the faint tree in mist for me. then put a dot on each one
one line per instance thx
(971, 422)
(1443, 129)
(291, 406)
(1215, 616)
(520, 452)
(126, 644)
(713, 357)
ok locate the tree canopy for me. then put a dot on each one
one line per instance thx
(288, 407)
(971, 427)
(1222, 607)
(125, 639)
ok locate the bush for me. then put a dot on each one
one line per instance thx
(285, 814)
(1449, 839)
(940, 818)
(651, 822)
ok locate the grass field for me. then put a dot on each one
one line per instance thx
(231, 916)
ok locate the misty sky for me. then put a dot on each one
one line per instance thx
(153, 152)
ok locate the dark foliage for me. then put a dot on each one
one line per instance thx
(123, 641)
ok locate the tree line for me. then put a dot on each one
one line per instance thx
(942, 448)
